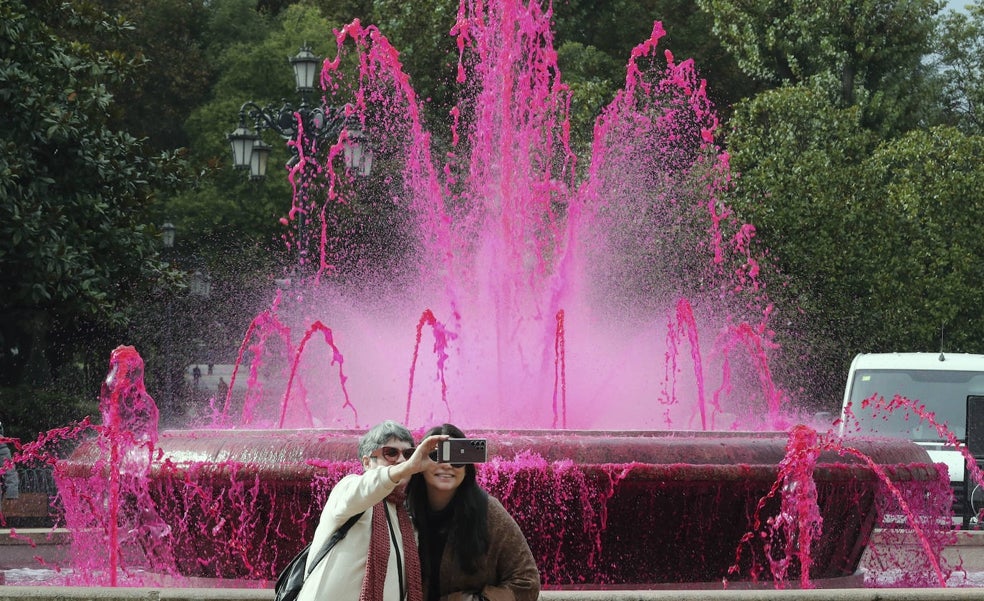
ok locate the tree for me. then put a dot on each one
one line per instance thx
(75, 194)
(795, 157)
(615, 27)
(865, 52)
(929, 289)
(168, 36)
(959, 60)
(421, 31)
(875, 237)
(227, 220)
(592, 84)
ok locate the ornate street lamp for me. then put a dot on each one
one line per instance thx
(258, 160)
(177, 312)
(305, 65)
(318, 123)
(308, 127)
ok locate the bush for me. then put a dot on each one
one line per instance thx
(27, 412)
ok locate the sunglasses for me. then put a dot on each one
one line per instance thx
(393, 452)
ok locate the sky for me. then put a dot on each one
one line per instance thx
(957, 5)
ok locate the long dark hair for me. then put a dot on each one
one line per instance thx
(469, 530)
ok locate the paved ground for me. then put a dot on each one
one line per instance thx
(58, 593)
(213, 379)
(28, 545)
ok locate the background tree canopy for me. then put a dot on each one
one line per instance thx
(76, 192)
(853, 127)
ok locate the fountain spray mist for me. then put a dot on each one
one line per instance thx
(505, 234)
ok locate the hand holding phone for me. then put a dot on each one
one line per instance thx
(461, 451)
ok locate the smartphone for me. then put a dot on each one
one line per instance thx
(461, 450)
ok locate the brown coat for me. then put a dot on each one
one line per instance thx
(508, 572)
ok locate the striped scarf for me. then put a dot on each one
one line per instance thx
(374, 582)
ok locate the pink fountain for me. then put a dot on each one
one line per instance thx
(601, 322)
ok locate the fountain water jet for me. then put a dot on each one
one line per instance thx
(501, 236)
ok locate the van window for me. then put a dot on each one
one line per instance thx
(944, 393)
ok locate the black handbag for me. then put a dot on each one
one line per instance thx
(292, 577)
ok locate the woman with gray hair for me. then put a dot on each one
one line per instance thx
(377, 560)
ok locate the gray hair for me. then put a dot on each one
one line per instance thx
(382, 433)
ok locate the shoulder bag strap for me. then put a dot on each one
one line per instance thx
(399, 558)
(335, 537)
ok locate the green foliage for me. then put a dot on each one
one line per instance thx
(959, 61)
(827, 172)
(167, 37)
(864, 52)
(796, 157)
(615, 27)
(877, 237)
(421, 32)
(72, 188)
(76, 193)
(789, 42)
(227, 218)
(931, 280)
(592, 88)
(231, 23)
(23, 420)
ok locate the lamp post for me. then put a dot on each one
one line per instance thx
(306, 126)
(200, 284)
(167, 238)
(194, 306)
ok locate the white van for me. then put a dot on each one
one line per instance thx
(940, 381)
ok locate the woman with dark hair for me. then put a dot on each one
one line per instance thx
(471, 549)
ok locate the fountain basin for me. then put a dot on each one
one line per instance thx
(598, 508)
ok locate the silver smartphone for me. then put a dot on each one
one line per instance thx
(461, 450)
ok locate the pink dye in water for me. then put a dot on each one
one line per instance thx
(336, 359)
(515, 254)
(236, 504)
(441, 339)
(255, 340)
(904, 512)
(533, 261)
(113, 517)
(685, 324)
(560, 374)
(755, 344)
(878, 407)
